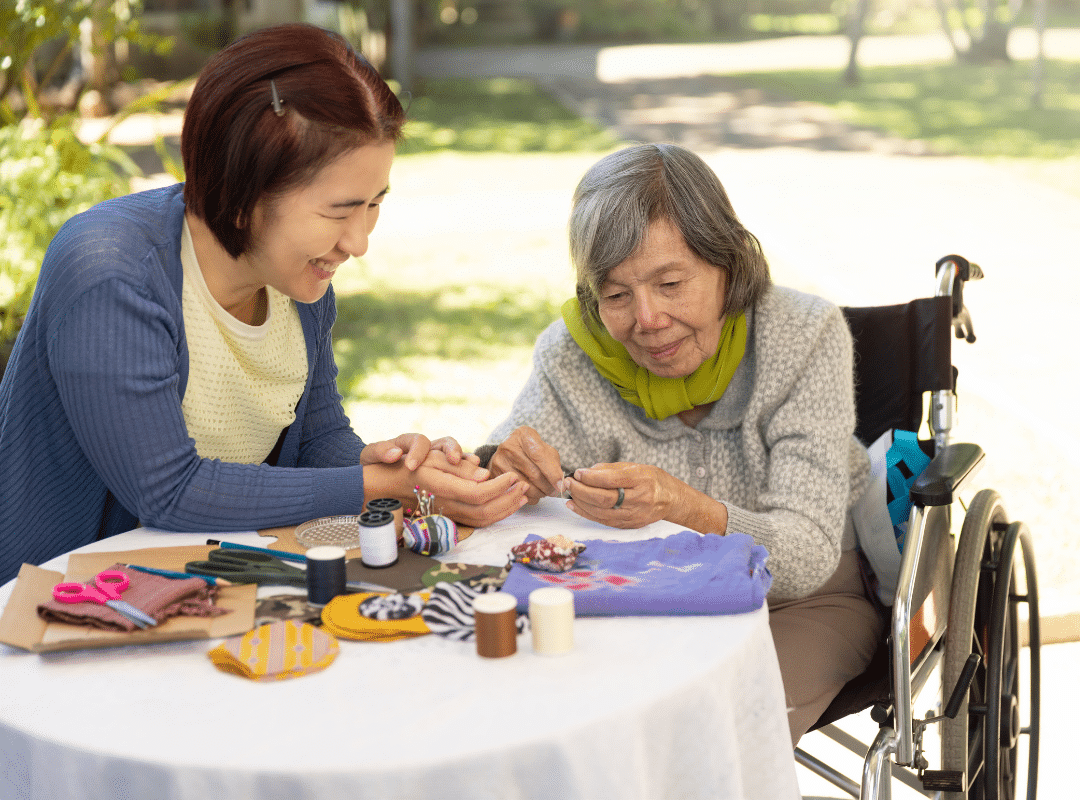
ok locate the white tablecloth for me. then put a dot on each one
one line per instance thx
(660, 707)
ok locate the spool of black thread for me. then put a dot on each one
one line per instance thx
(391, 504)
(325, 574)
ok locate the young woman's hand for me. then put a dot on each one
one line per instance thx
(460, 490)
(414, 449)
(464, 492)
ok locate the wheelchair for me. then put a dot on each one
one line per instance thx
(956, 609)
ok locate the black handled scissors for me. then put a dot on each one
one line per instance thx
(242, 566)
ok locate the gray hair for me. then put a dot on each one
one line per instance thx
(626, 191)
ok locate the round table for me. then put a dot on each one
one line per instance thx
(643, 707)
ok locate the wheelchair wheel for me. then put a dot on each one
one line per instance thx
(984, 737)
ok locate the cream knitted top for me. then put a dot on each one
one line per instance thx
(244, 381)
(778, 448)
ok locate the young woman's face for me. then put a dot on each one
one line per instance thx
(664, 304)
(301, 238)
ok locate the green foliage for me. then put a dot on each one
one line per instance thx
(626, 20)
(956, 108)
(389, 327)
(46, 176)
(499, 115)
(774, 24)
(29, 25)
(46, 173)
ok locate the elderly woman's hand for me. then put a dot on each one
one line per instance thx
(635, 495)
(525, 454)
(623, 495)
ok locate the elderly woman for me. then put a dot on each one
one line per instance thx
(681, 385)
(176, 368)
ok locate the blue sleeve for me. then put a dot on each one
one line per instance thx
(114, 357)
(327, 437)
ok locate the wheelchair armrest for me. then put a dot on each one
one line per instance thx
(945, 474)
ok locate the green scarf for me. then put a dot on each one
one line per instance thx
(660, 397)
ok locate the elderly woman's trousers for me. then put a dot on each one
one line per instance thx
(823, 641)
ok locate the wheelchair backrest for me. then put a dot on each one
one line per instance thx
(901, 351)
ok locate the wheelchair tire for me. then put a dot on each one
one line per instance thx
(983, 738)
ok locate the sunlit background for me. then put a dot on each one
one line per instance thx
(947, 132)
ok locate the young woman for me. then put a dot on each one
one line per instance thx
(175, 369)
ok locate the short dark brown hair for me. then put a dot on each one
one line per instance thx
(237, 148)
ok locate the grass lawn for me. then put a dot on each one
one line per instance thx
(958, 109)
(980, 111)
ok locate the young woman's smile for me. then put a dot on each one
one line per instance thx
(301, 238)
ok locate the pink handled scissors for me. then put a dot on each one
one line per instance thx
(107, 588)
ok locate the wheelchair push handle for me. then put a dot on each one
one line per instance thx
(953, 272)
(965, 270)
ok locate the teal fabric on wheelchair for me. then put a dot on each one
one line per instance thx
(904, 462)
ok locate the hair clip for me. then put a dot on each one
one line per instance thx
(275, 100)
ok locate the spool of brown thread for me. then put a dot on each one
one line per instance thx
(496, 624)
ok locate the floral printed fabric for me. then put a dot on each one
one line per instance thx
(686, 573)
(554, 554)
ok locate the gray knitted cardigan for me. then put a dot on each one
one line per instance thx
(777, 449)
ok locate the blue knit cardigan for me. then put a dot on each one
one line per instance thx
(92, 436)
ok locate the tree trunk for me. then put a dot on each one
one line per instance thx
(992, 45)
(856, 28)
(1038, 65)
(400, 35)
(986, 43)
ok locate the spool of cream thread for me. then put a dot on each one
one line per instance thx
(496, 624)
(325, 573)
(378, 539)
(392, 505)
(551, 617)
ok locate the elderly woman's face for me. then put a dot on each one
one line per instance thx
(664, 304)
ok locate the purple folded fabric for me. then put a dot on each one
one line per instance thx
(683, 574)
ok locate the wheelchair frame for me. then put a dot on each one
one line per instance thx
(944, 589)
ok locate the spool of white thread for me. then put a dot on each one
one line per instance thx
(551, 617)
(378, 539)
